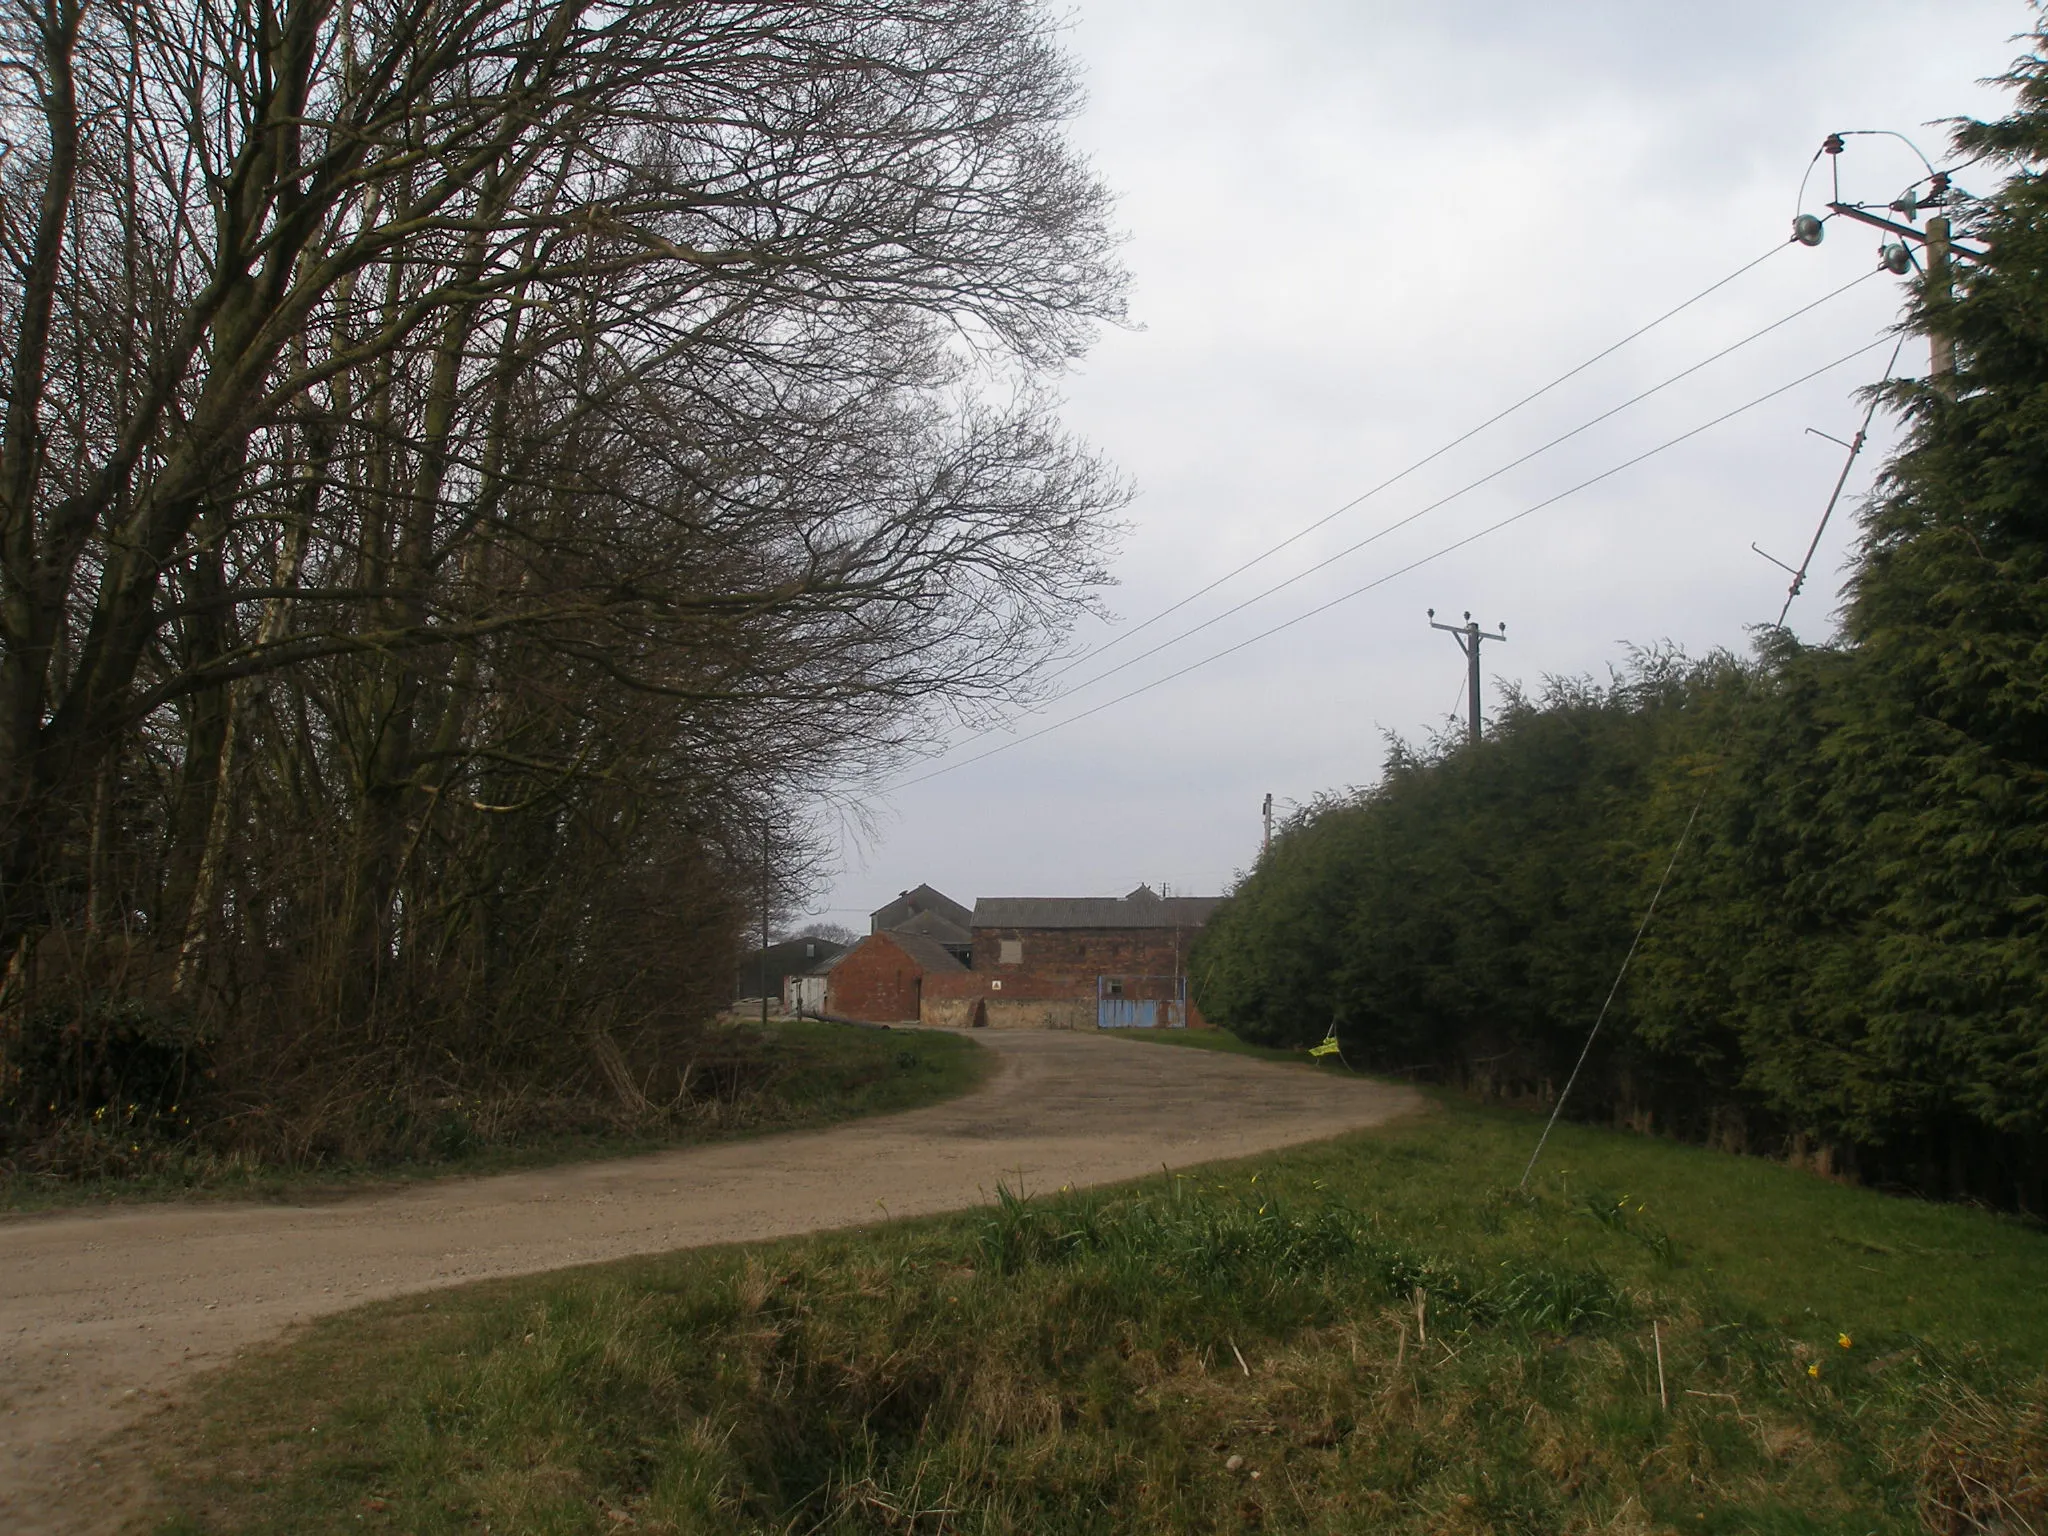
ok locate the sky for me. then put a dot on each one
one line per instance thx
(1355, 232)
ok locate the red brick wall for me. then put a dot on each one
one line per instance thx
(876, 983)
(1075, 957)
(973, 984)
(1059, 965)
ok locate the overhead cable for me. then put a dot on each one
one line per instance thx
(1427, 459)
(1473, 485)
(1413, 565)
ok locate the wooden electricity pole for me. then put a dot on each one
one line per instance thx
(1941, 346)
(1469, 635)
(1937, 240)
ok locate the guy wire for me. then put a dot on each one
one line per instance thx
(1586, 1049)
(1699, 801)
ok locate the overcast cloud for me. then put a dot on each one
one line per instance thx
(1357, 230)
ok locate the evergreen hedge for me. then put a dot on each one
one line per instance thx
(1850, 963)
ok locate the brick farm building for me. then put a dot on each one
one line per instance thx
(882, 979)
(1073, 962)
(1023, 962)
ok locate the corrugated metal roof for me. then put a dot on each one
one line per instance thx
(1140, 909)
(824, 964)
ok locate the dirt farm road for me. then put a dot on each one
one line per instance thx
(104, 1314)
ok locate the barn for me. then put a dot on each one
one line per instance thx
(882, 979)
(768, 972)
(1075, 962)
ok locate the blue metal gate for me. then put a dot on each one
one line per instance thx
(1115, 1010)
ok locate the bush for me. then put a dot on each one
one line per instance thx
(107, 1055)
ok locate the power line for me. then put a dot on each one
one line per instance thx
(1469, 487)
(1413, 565)
(1392, 480)
(1939, 366)
(1420, 512)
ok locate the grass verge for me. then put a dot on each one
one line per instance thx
(1367, 1334)
(798, 1075)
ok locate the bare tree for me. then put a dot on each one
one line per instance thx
(443, 442)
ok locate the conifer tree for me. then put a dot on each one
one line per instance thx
(1942, 751)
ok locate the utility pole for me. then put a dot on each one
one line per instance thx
(1935, 190)
(1469, 636)
(1937, 240)
(1941, 346)
(764, 923)
(1266, 846)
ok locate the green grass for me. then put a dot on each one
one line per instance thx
(806, 1074)
(1238, 1349)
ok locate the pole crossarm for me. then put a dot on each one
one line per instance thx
(1470, 638)
(1907, 231)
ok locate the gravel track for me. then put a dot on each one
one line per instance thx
(104, 1315)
